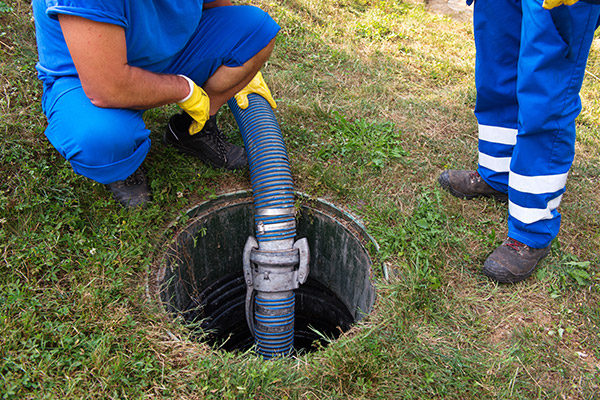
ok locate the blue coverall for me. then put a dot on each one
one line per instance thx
(530, 64)
(162, 36)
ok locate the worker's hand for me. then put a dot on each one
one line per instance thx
(257, 85)
(197, 105)
(550, 4)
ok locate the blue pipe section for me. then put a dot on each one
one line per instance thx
(272, 186)
(270, 171)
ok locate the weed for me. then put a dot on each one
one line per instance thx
(361, 143)
(5, 8)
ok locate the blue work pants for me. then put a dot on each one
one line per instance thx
(530, 64)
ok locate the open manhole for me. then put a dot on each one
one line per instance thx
(200, 277)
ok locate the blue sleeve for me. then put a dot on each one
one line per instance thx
(112, 12)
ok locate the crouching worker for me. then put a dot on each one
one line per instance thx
(103, 63)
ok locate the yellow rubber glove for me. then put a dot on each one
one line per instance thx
(550, 4)
(257, 85)
(197, 104)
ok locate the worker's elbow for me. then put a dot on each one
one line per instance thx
(100, 102)
(103, 97)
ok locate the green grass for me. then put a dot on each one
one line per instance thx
(375, 100)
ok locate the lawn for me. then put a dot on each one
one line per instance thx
(375, 100)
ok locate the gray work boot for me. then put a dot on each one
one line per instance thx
(513, 261)
(133, 191)
(209, 145)
(468, 184)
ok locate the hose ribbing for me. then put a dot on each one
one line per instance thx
(275, 225)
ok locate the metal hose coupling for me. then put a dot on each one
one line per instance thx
(271, 277)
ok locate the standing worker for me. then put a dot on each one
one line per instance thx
(529, 68)
(103, 63)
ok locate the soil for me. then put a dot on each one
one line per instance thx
(456, 9)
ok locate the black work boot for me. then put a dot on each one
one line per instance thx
(466, 184)
(133, 191)
(513, 261)
(209, 145)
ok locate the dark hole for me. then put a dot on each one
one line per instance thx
(218, 313)
(200, 275)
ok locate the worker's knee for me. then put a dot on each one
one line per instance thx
(96, 141)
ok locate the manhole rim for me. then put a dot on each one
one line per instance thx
(244, 197)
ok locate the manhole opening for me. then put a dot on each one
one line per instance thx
(200, 277)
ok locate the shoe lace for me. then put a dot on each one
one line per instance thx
(515, 245)
(474, 175)
(219, 140)
(137, 178)
(214, 135)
